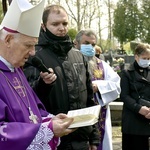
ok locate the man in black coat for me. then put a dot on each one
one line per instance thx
(72, 89)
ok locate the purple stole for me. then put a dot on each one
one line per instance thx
(102, 117)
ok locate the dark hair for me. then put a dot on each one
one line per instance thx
(142, 48)
(52, 8)
(84, 32)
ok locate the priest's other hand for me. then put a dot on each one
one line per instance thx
(93, 147)
(60, 127)
(95, 88)
(48, 78)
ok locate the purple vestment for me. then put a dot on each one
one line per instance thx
(102, 117)
(17, 132)
(108, 83)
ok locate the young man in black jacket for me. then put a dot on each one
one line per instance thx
(72, 89)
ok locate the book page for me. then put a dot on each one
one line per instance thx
(84, 117)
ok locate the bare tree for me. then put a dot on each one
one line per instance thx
(4, 5)
(82, 12)
(99, 15)
(110, 5)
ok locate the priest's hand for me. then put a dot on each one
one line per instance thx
(95, 88)
(92, 147)
(48, 78)
(60, 127)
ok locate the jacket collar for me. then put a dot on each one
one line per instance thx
(137, 75)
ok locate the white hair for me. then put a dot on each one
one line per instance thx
(4, 33)
(92, 64)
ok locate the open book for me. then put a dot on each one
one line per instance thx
(84, 117)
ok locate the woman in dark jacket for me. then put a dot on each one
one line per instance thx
(135, 84)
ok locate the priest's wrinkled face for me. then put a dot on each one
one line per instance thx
(18, 48)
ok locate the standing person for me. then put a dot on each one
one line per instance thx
(135, 84)
(24, 122)
(98, 52)
(72, 88)
(106, 84)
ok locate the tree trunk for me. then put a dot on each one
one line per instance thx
(4, 5)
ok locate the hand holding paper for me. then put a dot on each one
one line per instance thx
(84, 117)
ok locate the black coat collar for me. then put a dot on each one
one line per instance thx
(137, 75)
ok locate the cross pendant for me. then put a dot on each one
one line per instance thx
(32, 117)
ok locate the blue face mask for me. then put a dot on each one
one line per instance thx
(143, 63)
(87, 50)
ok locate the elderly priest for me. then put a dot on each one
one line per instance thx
(24, 122)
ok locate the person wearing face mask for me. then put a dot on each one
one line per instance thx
(105, 81)
(135, 85)
(73, 88)
(87, 50)
(98, 52)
